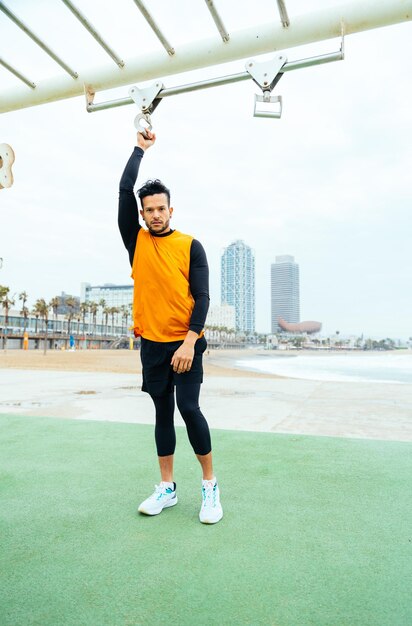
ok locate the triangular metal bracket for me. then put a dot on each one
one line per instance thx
(146, 100)
(266, 75)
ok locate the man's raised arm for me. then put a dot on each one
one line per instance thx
(128, 216)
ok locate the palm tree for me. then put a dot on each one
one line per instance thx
(54, 305)
(125, 311)
(102, 304)
(43, 310)
(24, 310)
(106, 311)
(93, 307)
(71, 304)
(6, 303)
(113, 311)
(37, 315)
(84, 309)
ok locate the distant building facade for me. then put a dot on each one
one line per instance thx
(113, 295)
(59, 328)
(222, 316)
(285, 300)
(238, 284)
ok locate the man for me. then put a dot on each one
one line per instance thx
(170, 304)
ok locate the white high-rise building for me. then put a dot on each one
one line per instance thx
(284, 291)
(238, 283)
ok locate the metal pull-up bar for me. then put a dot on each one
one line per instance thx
(349, 18)
(166, 92)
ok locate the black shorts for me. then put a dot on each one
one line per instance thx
(158, 375)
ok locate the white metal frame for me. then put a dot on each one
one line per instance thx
(82, 19)
(149, 19)
(212, 82)
(13, 17)
(352, 17)
(283, 13)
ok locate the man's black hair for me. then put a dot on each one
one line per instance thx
(151, 187)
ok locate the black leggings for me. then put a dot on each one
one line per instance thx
(187, 398)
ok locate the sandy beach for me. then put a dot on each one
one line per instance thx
(105, 385)
(216, 363)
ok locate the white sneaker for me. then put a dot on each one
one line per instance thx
(162, 498)
(211, 510)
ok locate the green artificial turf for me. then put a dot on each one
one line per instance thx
(316, 530)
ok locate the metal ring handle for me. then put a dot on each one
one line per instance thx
(139, 126)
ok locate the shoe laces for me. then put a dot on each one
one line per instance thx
(209, 492)
(160, 490)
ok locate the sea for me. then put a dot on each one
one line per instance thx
(360, 367)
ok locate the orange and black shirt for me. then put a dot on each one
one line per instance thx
(170, 271)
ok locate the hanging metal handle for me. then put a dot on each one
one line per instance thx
(266, 75)
(143, 123)
(276, 113)
(147, 101)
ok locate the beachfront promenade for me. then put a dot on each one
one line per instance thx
(315, 481)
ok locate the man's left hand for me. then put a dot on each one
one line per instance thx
(183, 358)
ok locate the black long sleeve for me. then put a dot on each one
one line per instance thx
(199, 286)
(128, 216)
(128, 220)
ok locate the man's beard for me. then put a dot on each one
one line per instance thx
(159, 232)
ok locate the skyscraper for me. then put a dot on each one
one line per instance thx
(238, 283)
(284, 291)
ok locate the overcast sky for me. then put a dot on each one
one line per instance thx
(329, 183)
